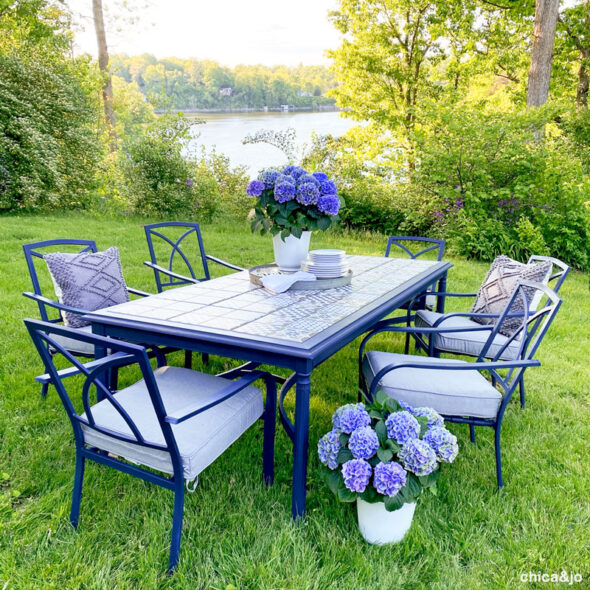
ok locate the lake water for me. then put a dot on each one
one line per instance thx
(226, 131)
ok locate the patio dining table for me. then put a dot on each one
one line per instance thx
(298, 330)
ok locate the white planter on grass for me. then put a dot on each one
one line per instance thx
(292, 251)
(380, 527)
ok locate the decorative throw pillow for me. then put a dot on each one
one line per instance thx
(88, 280)
(499, 285)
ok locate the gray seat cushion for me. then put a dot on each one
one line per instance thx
(451, 393)
(200, 439)
(76, 346)
(468, 343)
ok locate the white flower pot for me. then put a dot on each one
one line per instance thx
(379, 526)
(291, 252)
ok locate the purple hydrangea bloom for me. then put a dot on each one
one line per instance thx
(356, 474)
(296, 172)
(189, 182)
(389, 478)
(327, 187)
(434, 418)
(406, 406)
(363, 442)
(402, 426)
(328, 447)
(439, 216)
(329, 204)
(288, 170)
(284, 178)
(269, 177)
(305, 178)
(321, 176)
(284, 191)
(418, 457)
(443, 443)
(350, 417)
(255, 188)
(307, 194)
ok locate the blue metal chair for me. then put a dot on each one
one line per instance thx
(171, 278)
(470, 340)
(35, 251)
(174, 421)
(455, 388)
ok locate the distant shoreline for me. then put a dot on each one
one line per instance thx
(292, 109)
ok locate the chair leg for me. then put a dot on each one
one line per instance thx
(205, 358)
(188, 359)
(44, 389)
(407, 345)
(498, 457)
(77, 492)
(176, 525)
(521, 385)
(472, 433)
(268, 444)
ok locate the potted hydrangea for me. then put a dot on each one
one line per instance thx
(383, 456)
(291, 203)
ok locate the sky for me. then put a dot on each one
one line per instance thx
(228, 31)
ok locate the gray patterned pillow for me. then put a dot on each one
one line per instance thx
(88, 280)
(499, 285)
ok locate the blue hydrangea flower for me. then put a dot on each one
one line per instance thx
(363, 442)
(255, 188)
(329, 204)
(284, 191)
(296, 172)
(443, 443)
(327, 187)
(288, 170)
(434, 418)
(356, 474)
(269, 177)
(305, 178)
(328, 447)
(307, 194)
(402, 426)
(418, 457)
(406, 406)
(284, 178)
(321, 176)
(389, 478)
(350, 417)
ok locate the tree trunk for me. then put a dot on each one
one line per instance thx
(546, 13)
(583, 81)
(103, 64)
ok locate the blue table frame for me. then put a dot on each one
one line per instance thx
(299, 357)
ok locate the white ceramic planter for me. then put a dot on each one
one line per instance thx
(290, 253)
(379, 526)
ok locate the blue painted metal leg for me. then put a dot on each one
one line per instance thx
(205, 358)
(472, 433)
(300, 443)
(442, 287)
(285, 421)
(498, 457)
(188, 359)
(176, 524)
(268, 445)
(77, 492)
(44, 389)
(521, 385)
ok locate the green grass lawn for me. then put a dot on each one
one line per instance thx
(237, 534)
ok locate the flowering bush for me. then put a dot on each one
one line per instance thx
(292, 201)
(385, 452)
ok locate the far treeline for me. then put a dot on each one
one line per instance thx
(192, 84)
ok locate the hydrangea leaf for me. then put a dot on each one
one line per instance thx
(370, 495)
(381, 431)
(334, 481)
(381, 397)
(393, 502)
(385, 455)
(345, 495)
(430, 479)
(344, 455)
(423, 421)
(391, 444)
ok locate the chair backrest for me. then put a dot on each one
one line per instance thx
(36, 250)
(412, 246)
(533, 326)
(158, 231)
(559, 270)
(121, 354)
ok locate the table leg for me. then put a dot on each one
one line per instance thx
(100, 352)
(442, 287)
(300, 444)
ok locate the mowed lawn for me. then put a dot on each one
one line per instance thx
(237, 533)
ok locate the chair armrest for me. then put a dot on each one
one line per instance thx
(216, 398)
(138, 292)
(170, 273)
(56, 304)
(223, 262)
(71, 371)
(448, 294)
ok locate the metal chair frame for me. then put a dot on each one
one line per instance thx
(425, 341)
(125, 354)
(533, 328)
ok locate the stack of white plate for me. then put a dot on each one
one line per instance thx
(326, 264)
